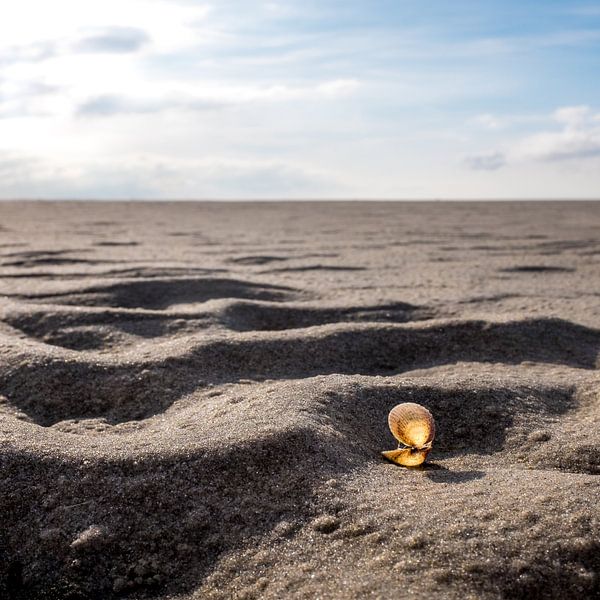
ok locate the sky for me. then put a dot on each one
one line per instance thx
(331, 99)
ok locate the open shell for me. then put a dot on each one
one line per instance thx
(413, 426)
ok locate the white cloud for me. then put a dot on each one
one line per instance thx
(563, 145)
(79, 50)
(169, 24)
(574, 117)
(578, 139)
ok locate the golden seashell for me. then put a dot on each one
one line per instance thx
(413, 426)
(407, 457)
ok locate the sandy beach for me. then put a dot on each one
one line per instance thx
(194, 400)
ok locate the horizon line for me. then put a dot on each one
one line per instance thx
(301, 200)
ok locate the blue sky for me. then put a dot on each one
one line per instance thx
(315, 99)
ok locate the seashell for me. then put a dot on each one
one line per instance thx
(407, 457)
(413, 426)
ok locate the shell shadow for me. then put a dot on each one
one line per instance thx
(439, 474)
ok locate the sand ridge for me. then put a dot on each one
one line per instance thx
(193, 399)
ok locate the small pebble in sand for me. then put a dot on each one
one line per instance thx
(89, 537)
(413, 426)
(415, 542)
(539, 436)
(285, 529)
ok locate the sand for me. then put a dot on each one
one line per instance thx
(194, 398)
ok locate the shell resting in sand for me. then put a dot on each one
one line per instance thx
(413, 426)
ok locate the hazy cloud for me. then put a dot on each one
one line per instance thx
(15, 89)
(215, 98)
(30, 177)
(13, 168)
(166, 178)
(113, 39)
(28, 52)
(109, 105)
(20, 98)
(486, 162)
(488, 121)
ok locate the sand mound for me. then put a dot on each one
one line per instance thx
(209, 425)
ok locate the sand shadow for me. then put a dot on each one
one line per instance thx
(91, 329)
(122, 273)
(160, 294)
(56, 391)
(168, 518)
(247, 316)
(51, 390)
(537, 269)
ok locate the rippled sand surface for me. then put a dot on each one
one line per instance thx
(194, 398)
